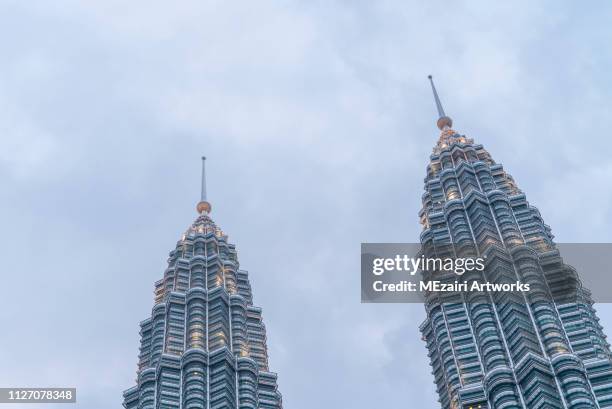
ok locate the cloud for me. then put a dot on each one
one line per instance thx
(317, 121)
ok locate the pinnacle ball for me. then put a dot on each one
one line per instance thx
(204, 207)
(444, 121)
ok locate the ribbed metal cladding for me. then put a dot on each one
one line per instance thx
(204, 345)
(511, 350)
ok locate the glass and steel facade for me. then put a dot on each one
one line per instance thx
(504, 350)
(204, 346)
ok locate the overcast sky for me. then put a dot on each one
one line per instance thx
(317, 119)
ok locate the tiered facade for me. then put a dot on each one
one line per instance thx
(539, 349)
(204, 346)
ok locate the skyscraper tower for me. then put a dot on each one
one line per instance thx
(204, 346)
(504, 350)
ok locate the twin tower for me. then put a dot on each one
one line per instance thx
(204, 346)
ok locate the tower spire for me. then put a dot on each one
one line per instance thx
(444, 121)
(204, 207)
(203, 198)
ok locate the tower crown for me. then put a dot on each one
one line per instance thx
(444, 121)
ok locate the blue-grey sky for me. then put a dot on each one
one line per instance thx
(317, 120)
